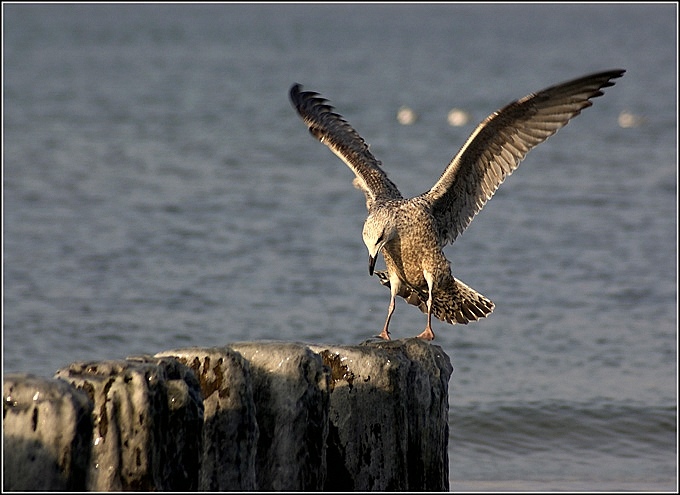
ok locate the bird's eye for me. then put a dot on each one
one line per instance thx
(380, 239)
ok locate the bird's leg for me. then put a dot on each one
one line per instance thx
(385, 334)
(428, 334)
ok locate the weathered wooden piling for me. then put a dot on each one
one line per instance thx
(266, 416)
(230, 430)
(135, 444)
(46, 434)
(389, 416)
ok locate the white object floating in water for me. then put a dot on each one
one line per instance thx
(457, 117)
(406, 115)
(629, 119)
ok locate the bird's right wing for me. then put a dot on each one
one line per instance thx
(333, 131)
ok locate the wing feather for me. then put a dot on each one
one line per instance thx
(332, 130)
(498, 145)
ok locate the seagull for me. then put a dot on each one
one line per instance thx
(410, 233)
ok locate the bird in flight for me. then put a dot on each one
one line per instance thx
(410, 233)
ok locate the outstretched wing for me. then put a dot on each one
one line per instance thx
(333, 131)
(500, 143)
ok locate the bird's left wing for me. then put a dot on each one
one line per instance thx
(500, 143)
(333, 131)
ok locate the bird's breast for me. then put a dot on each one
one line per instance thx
(413, 252)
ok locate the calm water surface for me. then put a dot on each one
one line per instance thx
(159, 191)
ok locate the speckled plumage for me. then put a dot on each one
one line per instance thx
(410, 233)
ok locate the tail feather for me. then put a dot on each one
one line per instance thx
(453, 303)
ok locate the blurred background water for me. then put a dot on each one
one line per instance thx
(159, 191)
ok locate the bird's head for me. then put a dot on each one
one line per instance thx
(379, 229)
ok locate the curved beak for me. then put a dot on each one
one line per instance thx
(371, 264)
